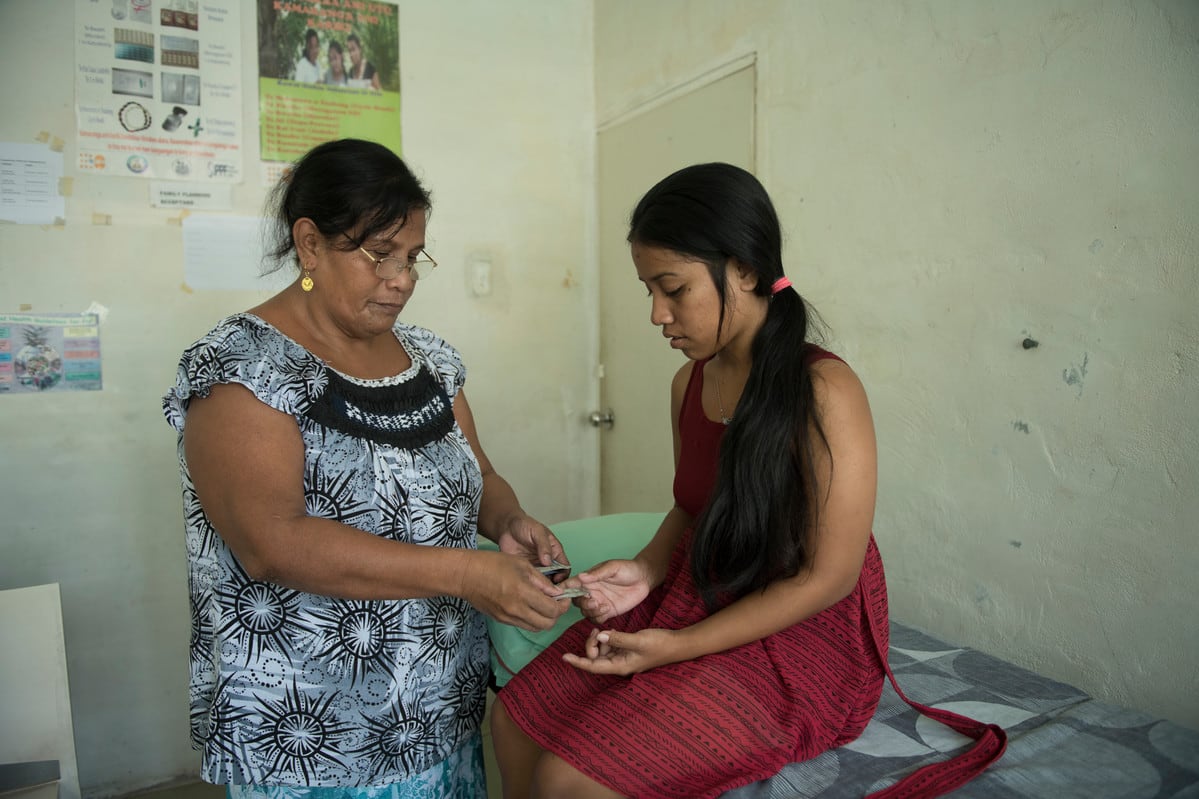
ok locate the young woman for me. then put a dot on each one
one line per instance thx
(740, 638)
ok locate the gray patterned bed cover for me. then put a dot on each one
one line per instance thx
(1062, 744)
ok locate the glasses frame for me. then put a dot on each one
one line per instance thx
(415, 269)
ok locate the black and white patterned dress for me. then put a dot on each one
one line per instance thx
(292, 688)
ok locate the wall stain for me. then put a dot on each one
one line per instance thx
(982, 598)
(1021, 426)
(1096, 246)
(1016, 544)
(1075, 374)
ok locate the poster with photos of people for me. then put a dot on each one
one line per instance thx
(327, 69)
(158, 89)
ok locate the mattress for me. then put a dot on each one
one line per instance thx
(1062, 743)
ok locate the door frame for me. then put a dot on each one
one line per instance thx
(637, 107)
(674, 91)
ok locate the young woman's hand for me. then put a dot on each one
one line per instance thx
(616, 587)
(621, 654)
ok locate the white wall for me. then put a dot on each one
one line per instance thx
(955, 177)
(498, 121)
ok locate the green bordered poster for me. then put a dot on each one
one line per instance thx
(49, 352)
(327, 69)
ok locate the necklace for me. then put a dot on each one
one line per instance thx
(720, 403)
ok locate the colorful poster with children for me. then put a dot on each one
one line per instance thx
(158, 89)
(327, 69)
(49, 352)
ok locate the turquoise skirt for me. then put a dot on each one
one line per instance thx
(459, 776)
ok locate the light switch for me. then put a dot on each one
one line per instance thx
(480, 277)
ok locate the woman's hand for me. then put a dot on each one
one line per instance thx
(616, 587)
(509, 589)
(523, 535)
(612, 652)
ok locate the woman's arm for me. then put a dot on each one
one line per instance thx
(246, 461)
(846, 497)
(501, 517)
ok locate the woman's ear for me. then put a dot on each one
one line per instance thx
(308, 241)
(743, 276)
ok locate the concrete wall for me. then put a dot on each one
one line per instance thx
(89, 489)
(955, 177)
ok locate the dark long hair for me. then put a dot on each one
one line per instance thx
(350, 188)
(759, 523)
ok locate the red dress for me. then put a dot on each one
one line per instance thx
(701, 727)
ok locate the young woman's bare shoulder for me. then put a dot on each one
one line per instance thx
(837, 388)
(679, 382)
(833, 370)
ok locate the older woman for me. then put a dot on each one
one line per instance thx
(333, 486)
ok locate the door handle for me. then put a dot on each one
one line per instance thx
(602, 418)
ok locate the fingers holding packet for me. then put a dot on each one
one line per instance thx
(555, 569)
(558, 572)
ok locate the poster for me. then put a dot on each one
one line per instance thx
(158, 88)
(328, 69)
(49, 352)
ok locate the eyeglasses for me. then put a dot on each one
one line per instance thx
(391, 267)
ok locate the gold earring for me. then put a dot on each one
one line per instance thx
(306, 281)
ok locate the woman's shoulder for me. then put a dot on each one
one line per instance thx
(247, 350)
(234, 334)
(243, 320)
(683, 376)
(836, 386)
(438, 353)
(246, 335)
(423, 339)
(814, 353)
(825, 363)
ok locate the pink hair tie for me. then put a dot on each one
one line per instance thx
(779, 285)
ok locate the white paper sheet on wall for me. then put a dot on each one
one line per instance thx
(193, 196)
(225, 252)
(29, 178)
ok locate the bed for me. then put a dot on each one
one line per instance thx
(1062, 744)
